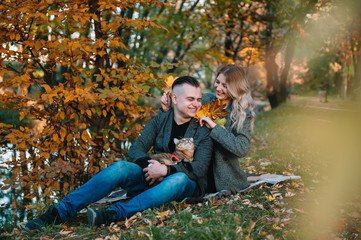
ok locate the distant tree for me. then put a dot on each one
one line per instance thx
(333, 35)
(284, 22)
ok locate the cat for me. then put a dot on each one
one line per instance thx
(184, 149)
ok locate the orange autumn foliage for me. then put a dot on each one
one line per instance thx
(86, 94)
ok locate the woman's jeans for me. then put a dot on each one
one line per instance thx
(130, 177)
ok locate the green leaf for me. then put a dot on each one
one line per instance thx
(99, 79)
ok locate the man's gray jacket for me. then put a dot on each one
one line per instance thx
(157, 134)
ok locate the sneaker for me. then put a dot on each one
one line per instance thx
(99, 217)
(48, 218)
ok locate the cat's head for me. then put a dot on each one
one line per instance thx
(184, 143)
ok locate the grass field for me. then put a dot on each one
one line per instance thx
(318, 141)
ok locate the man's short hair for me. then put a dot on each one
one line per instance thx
(186, 80)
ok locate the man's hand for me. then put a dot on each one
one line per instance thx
(155, 172)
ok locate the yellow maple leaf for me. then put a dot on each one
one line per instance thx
(168, 83)
(221, 121)
(213, 110)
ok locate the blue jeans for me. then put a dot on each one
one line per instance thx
(130, 177)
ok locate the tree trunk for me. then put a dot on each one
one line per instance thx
(285, 71)
(357, 81)
(228, 44)
(272, 88)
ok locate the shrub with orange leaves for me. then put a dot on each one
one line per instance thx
(86, 96)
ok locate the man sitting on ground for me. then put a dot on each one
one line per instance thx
(138, 178)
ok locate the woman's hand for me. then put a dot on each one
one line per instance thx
(203, 120)
(155, 172)
(166, 101)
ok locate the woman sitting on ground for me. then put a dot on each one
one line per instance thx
(232, 142)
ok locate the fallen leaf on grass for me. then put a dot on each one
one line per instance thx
(239, 229)
(340, 224)
(270, 237)
(279, 203)
(257, 205)
(114, 228)
(271, 197)
(132, 219)
(266, 163)
(183, 205)
(274, 226)
(46, 238)
(276, 194)
(236, 219)
(141, 234)
(300, 210)
(297, 185)
(290, 194)
(198, 219)
(252, 225)
(63, 232)
(315, 181)
(164, 215)
(355, 215)
(289, 211)
(112, 237)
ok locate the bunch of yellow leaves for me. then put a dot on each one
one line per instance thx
(215, 111)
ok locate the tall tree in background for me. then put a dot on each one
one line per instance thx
(346, 44)
(333, 39)
(176, 43)
(237, 28)
(284, 22)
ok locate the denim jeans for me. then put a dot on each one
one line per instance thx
(130, 177)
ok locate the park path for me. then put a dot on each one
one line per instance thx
(337, 105)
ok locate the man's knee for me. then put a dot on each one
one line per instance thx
(179, 179)
(121, 168)
(123, 165)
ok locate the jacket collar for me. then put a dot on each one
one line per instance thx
(229, 110)
(229, 107)
(168, 129)
(191, 128)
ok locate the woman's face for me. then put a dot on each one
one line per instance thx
(221, 88)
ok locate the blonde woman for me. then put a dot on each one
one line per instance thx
(232, 142)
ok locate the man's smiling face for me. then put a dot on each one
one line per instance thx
(187, 100)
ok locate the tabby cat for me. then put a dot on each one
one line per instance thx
(184, 149)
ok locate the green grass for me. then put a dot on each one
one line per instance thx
(303, 137)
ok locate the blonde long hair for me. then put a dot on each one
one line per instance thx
(239, 89)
